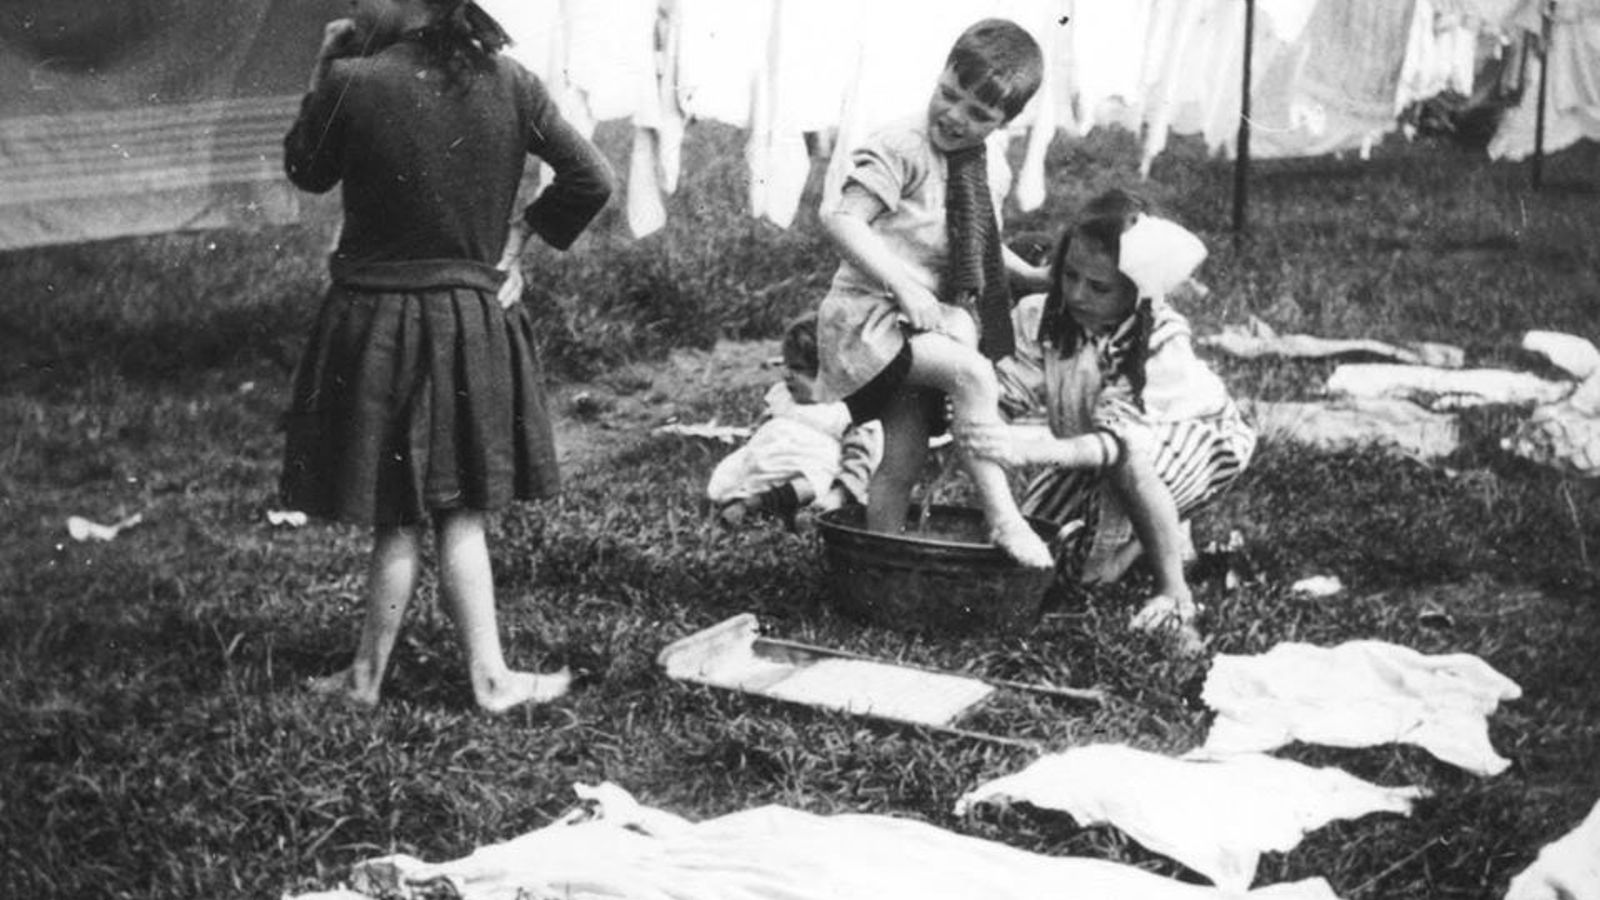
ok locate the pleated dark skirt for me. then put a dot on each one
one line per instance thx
(417, 393)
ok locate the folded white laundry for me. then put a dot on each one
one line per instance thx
(633, 852)
(1444, 388)
(1357, 694)
(1566, 869)
(1216, 817)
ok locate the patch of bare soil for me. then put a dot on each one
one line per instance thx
(598, 418)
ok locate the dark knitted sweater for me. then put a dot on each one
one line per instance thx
(430, 166)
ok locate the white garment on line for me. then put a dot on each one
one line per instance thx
(634, 852)
(1572, 107)
(1357, 694)
(1566, 869)
(1216, 817)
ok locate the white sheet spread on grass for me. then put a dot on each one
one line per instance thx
(1566, 869)
(1260, 339)
(769, 853)
(1216, 817)
(1444, 388)
(1357, 694)
(1351, 423)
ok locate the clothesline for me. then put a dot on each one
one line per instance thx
(1324, 77)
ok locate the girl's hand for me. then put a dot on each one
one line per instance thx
(993, 441)
(920, 307)
(340, 38)
(510, 293)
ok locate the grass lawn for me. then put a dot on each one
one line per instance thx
(155, 740)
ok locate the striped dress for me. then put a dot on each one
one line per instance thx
(1201, 441)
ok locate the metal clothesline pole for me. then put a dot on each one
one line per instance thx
(1241, 161)
(1546, 16)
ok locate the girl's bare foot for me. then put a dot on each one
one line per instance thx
(1023, 544)
(347, 686)
(516, 688)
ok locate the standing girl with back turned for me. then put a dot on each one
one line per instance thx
(419, 399)
(921, 303)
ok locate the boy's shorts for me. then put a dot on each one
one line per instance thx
(873, 398)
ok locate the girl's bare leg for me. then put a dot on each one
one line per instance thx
(467, 582)
(1155, 521)
(391, 580)
(968, 379)
(905, 449)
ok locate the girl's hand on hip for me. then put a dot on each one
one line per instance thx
(340, 38)
(510, 293)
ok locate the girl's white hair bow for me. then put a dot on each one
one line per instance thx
(1158, 254)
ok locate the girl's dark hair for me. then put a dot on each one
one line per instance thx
(1107, 216)
(462, 38)
(800, 344)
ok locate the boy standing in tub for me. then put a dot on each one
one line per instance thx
(920, 305)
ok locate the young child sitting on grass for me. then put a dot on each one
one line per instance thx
(803, 453)
(1142, 432)
(921, 303)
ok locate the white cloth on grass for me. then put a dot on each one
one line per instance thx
(1566, 869)
(1564, 435)
(1257, 338)
(1357, 694)
(1216, 817)
(1352, 423)
(1444, 388)
(770, 853)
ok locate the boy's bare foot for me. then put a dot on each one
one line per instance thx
(345, 685)
(517, 688)
(1023, 544)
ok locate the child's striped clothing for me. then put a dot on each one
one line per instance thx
(1200, 441)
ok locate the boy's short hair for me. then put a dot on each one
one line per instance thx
(800, 345)
(999, 62)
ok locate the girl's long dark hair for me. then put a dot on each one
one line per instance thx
(1103, 228)
(463, 37)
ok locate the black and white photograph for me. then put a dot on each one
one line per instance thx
(800, 449)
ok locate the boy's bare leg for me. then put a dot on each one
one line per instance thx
(467, 582)
(391, 580)
(905, 449)
(968, 379)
